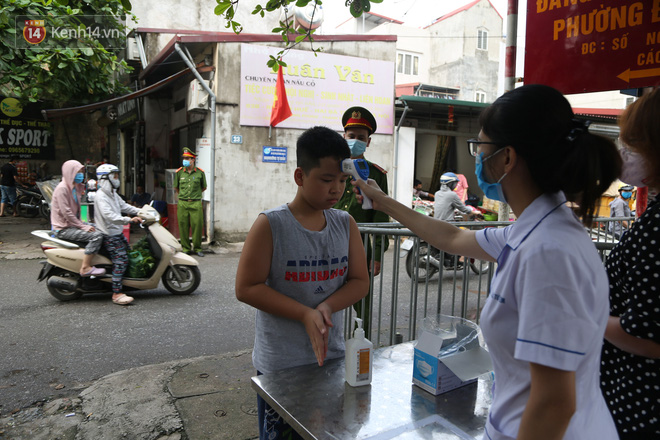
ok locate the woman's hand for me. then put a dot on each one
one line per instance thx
(370, 189)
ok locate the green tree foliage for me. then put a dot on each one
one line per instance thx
(290, 36)
(67, 72)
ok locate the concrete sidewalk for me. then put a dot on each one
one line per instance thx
(202, 398)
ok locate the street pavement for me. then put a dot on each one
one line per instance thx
(202, 398)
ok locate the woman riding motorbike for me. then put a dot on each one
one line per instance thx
(109, 208)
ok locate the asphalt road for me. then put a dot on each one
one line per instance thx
(47, 344)
(53, 349)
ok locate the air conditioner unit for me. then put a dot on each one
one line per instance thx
(197, 97)
(132, 53)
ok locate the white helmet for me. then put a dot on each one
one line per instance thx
(449, 179)
(104, 171)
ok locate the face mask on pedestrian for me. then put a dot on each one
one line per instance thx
(491, 190)
(186, 163)
(79, 178)
(357, 147)
(626, 194)
(633, 170)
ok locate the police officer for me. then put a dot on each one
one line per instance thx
(189, 184)
(359, 124)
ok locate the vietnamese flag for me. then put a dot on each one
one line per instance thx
(281, 109)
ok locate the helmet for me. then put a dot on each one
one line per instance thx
(626, 188)
(449, 179)
(104, 171)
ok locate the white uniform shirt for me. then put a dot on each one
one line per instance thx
(549, 305)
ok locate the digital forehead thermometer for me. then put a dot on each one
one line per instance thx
(359, 169)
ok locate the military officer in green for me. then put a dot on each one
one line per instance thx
(189, 184)
(359, 124)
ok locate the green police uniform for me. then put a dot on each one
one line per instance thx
(191, 185)
(360, 117)
(349, 203)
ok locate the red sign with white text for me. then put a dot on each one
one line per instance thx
(582, 46)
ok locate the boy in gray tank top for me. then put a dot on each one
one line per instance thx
(302, 264)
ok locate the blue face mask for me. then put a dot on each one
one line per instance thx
(491, 190)
(186, 163)
(357, 147)
(626, 194)
(79, 178)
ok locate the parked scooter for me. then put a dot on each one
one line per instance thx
(429, 262)
(179, 272)
(30, 202)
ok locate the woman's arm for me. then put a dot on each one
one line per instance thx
(618, 337)
(437, 233)
(551, 404)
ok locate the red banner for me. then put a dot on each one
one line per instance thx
(281, 109)
(582, 46)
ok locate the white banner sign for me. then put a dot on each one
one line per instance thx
(319, 88)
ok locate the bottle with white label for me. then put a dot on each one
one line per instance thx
(359, 358)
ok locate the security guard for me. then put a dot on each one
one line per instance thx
(359, 124)
(189, 184)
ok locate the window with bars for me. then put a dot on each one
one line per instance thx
(407, 63)
(482, 39)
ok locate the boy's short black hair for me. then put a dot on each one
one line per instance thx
(417, 182)
(319, 142)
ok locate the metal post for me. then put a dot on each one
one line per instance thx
(190, 64)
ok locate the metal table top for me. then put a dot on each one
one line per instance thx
(319, 404)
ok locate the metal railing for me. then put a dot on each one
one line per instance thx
(421, 281)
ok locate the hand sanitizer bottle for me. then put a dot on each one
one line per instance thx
(359, 358)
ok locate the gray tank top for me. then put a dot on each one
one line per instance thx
(307, 266)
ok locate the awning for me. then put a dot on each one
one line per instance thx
(64, 112)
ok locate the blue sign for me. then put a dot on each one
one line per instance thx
(274, 154)
(236, 139)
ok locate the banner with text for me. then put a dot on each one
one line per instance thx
(582, 46)
(23, 132)
(319, 88)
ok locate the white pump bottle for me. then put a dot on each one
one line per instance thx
(359, 358)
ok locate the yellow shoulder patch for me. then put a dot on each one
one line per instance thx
(379, 168)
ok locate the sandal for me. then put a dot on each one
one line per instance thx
(123, 300)
(94, 271)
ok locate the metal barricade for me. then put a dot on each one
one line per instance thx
(422, 281)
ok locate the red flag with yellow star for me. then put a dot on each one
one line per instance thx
(281, 109)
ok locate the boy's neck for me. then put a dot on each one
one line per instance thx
(309, 217)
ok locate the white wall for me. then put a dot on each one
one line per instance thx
(405, 166)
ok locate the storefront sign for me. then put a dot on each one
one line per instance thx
(274, 154)
(319, 88)
(23, 132)
(127, 113)
(581, 46)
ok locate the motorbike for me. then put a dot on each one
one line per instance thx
(30, 202)
(178, 271)
(429, 262)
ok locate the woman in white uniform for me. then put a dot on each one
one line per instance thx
(546, 313)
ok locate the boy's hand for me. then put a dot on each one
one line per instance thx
(314, 322)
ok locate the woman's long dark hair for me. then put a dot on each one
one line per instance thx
(561, 154)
